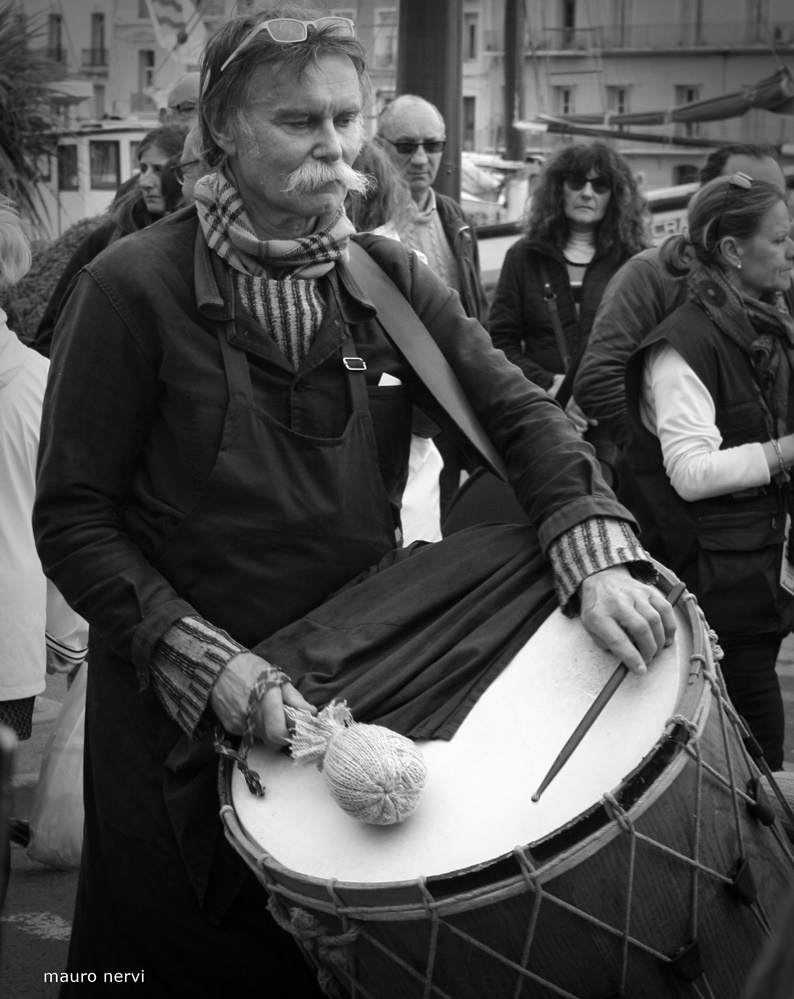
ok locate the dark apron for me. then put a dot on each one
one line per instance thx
(283, 521)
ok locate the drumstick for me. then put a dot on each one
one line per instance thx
(595, 709)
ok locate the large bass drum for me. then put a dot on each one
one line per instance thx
(644, 870)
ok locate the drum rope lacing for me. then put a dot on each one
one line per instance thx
(688, 734)
(322, 946)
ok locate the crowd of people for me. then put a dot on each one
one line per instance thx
(230, 434)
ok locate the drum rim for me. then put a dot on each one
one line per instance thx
(507, 874)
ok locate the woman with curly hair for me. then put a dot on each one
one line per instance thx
(585, 219)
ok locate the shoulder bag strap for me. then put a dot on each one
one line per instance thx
(421, 351)
(550, 298)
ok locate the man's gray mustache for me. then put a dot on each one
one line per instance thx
(310, 177)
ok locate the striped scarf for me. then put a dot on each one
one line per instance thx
(289, 307)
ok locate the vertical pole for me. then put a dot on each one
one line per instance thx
(514, 77)
(429, 64)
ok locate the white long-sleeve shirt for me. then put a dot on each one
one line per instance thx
(29, 605)
(678, 408)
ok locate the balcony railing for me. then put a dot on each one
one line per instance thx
(94, 58)
(57, 53)
(658, 36)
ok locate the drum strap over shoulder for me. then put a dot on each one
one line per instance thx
(421, 351)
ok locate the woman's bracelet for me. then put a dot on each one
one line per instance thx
(779, 453)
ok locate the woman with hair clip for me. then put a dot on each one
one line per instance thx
(710, 440)
(585, 218)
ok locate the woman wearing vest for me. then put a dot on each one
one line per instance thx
(711, 443)
(584, 220)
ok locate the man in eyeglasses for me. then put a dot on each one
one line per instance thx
(239, 458)
(412, 132)
(181, 105)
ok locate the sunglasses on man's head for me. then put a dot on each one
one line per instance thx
(577, 181)
(407, 148)
(290, 29)
(743, 182)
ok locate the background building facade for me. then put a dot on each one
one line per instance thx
(572, 57)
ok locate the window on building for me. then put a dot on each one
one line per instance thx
(686, 173)
(618, 100)
(686, 94)
(134, 147)
(470, 37)
(67, 168)
(145, 70)
(99, 100)
(564, 100)
(54, 31)
(384, 48)
(104, 158)
(97, 31)
(568, 21)
(469, 123)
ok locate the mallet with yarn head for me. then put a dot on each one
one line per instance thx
(373, 774)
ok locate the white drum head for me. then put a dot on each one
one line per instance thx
(476, 805)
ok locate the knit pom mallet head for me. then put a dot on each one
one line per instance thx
(373, 774)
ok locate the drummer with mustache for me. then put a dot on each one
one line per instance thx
(225, 441)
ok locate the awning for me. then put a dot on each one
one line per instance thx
(775, 93)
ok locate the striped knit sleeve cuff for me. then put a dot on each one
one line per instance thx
(589, 547)
(186, 663)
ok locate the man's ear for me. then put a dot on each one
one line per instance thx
(225, 138)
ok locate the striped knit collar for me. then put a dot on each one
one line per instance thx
(230, 234)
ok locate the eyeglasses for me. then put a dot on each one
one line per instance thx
(186, 108)
(577, 181)
(290, 29)
(178, 170)
(407, 148)
(741, 180)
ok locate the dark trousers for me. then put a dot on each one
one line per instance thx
(754, 688)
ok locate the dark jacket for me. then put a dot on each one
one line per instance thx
(635, 302)
(124, 465)
(520, 323)
(727, 549)
(144, 314)
(461, 237)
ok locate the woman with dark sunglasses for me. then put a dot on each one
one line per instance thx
(710, 443)
(585, 218)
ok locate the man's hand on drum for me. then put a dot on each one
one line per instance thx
(625, 616)
(231, 693)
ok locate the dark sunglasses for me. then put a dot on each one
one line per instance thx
(576, 181)
(179, 170)
(406, 148)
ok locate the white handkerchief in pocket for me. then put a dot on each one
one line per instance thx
(387, 379)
